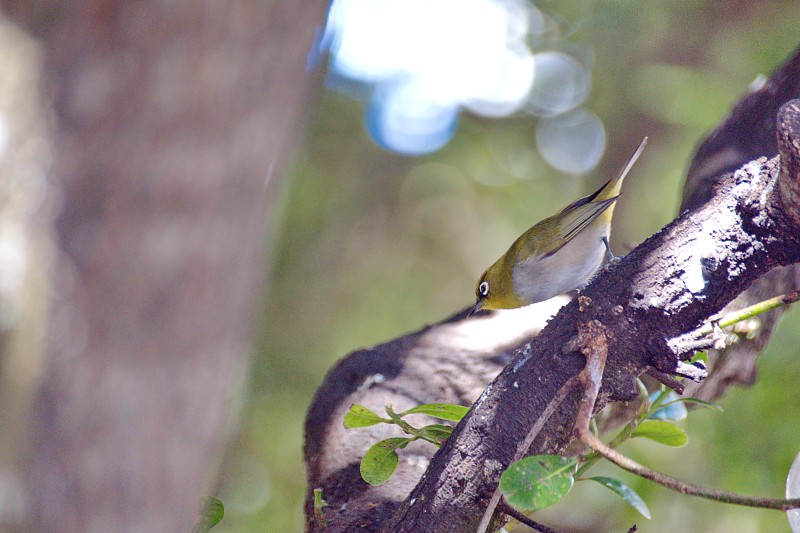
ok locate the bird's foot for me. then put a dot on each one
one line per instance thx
(611, 259)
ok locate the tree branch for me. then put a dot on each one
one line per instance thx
(522, 518)
(746, 134)
(565, 389)
(664, 288)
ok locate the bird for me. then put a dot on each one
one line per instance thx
(558, 254)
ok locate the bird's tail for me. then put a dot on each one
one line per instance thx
(612, 188)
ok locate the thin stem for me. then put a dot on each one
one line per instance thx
(524, 519)
(647, 409)
(408, 428)
(405, 426)
(319, 507)
(656, 403)
(749, 312)
(681, 486)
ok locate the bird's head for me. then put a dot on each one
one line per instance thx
(495, 289)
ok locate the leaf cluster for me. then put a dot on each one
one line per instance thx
(380, 461)
(534, 482)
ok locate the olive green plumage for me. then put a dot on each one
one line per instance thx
(556, 255)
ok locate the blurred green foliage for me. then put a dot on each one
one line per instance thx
(372, 245)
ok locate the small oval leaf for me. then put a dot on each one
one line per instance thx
(625, 492)
(380, 461)
(699, 403)
(661, 431)
(537, 481)
(213, 512)
(359, 416)
(445, 411)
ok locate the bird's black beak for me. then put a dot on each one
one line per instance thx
(476, 308)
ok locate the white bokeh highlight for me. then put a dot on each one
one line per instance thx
(422, 62)
(573, 142)
(562, 84)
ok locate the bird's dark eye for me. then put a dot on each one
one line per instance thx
(483, 289)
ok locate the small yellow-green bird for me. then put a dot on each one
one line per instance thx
(557, 255)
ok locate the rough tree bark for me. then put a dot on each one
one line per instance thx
(747, 134)
(667, 286)
(172, 126)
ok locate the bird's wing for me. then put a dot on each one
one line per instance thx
(574, 221)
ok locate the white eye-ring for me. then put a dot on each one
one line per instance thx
(483, 289)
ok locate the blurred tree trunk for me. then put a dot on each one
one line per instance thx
(172, 126)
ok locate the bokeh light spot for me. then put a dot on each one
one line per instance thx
(562, 84)
(573, 142)
(400, 120)
(426, 60)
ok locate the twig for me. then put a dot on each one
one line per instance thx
(588, 438)
(697, 340)
(682, 346)
(695, 371)
(748, 312)
(667, 380)
(506, 508)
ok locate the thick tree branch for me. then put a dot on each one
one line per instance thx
(523, 447)
(746, 134)
(666, 287)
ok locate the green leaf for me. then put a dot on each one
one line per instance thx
(537, 481)
(445, 411)
(661, 431)
(625, 492)
(698, 402)
(381, 459)
(213, 511)
(359, 416)
(435, 432)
